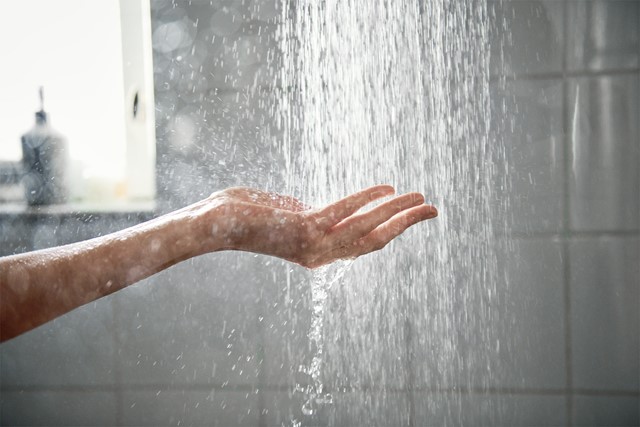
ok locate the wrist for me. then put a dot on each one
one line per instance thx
(207, 224)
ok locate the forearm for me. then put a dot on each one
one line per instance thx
(39, 286)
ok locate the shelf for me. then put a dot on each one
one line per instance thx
(79, 208)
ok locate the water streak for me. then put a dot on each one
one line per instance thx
(323, 279)
(398, 92)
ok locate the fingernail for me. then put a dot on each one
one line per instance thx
(433, 212)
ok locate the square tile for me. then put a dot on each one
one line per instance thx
(603, 34)
(526, 37)
(605, 153)
(58, 408)
(195, 323)
(606, 411)
(285, 408)
(354, 408)
(510, 335)
(530, 333)
(75, 349)
(434, 409)
(605, 321)
(190, 407)
(367, 408)
(527, 117)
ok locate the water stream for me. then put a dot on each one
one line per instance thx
(398, 92)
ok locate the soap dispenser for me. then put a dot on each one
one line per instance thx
(45, 161)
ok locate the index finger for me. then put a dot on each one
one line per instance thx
(344, 208)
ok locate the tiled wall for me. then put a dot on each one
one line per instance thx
(574, 159)
(215, 340)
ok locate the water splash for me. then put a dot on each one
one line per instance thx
(398, 92)
(323, 279)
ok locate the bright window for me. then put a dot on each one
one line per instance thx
(93, 59)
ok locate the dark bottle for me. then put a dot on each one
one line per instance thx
(45, 162)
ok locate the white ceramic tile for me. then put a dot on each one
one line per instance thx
(603, 34)
(385, 408)
(285, 408)
(434, 409)
(512, 337)
(531, 329)
(526, 37)
(605, 153)
(605, 320)
(355, 408)
(527, 117)
(193, 324)
(75, 349)
(191, 408)
(58, 408)
(606, 411)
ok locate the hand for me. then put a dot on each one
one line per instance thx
(268, 223)
(41, 285)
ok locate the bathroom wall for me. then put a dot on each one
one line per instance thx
(572, 92)
(217, 340)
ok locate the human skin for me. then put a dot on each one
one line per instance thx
(36, 287)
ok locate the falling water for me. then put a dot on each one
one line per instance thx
(323, 279)
(398, 92)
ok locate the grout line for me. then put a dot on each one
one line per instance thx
(566, 220)
(261, 351)
(567, 234)
(498, 391)
(117, 374)
(618, 393)
(506, 391)
(565, 74)
(408, 357)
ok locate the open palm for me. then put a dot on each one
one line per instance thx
(282, 226)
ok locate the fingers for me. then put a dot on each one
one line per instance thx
(391, 229)
(346, 207)
(386, 232)
(358, 226)
(380, 236)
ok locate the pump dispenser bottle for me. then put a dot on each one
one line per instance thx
(45, 161)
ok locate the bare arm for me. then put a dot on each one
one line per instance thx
(36, 287)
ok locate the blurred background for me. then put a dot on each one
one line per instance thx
(218, 340)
